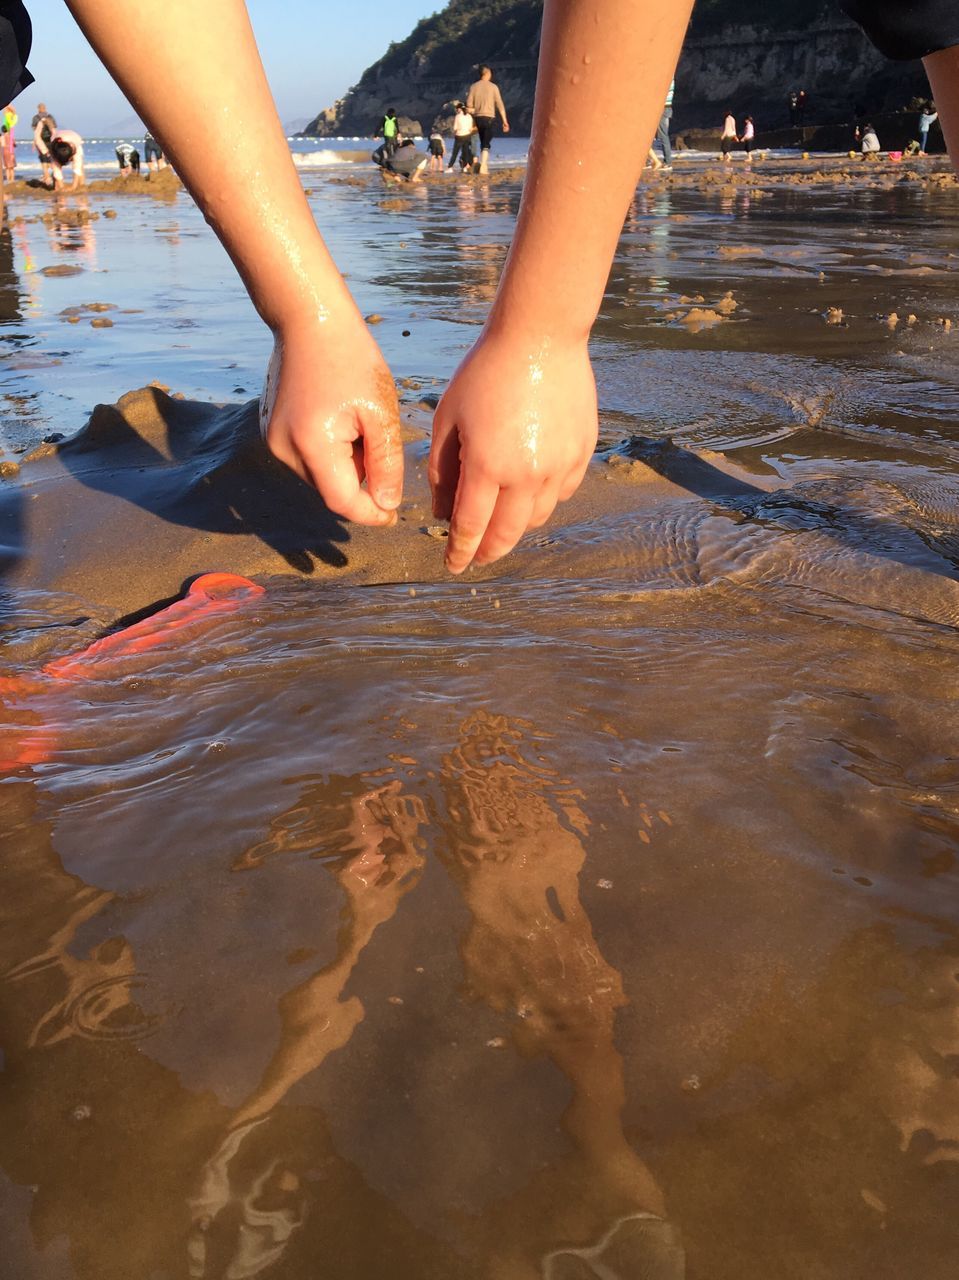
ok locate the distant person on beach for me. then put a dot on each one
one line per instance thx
(748, 138)
(802, 101)
(437, 152)
(870, 141)
(128, 158)
(8, 123)
(66, 148)
(153, 154)
(484, 103)
(404, 162)
(389, 131)
(730, 136)
(463, 129)
(662, 131)
(792, 102)
(927, 119)
(43, 125)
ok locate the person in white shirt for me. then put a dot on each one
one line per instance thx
(463, 129)
(749, 138)
(730, 136)
(870, 141)
(66, 147)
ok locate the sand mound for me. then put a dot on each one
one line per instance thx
(155, 490)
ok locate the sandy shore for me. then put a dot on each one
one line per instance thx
(156, 490)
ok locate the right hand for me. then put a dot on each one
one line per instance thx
(329, 411)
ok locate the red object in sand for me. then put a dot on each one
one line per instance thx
(211, 596)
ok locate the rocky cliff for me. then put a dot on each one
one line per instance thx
(747, 53)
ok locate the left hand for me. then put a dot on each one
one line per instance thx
(512, 436)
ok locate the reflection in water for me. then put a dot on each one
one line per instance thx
(514, 847)
(267, 1197)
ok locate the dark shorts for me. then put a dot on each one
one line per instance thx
(152, 150)
(904, 29)
(436, 147)
(727, 145)
(16, 36)
(484, 127)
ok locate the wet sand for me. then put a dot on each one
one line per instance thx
(592, 915)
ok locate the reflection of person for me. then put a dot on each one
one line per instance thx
(66, 148)
(463, 127)
(484, 103)
(128, 158)
(513, 850)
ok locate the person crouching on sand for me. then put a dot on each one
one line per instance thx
(66, 147)
(128, 158)
(405, 163)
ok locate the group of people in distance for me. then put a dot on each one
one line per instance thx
(475, 118)
(732, 137)
(55, 147)
(58, 149)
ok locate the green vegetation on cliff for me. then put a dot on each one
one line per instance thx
(461, 33)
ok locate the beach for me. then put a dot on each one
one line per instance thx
(600, 904)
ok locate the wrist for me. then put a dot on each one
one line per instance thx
(531, 330)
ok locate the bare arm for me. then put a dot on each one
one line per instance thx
(943, 71)
(328, 387)
(500, 107)
(515, 431)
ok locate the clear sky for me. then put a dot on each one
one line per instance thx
(313, 51)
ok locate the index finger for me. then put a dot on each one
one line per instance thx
(472, 510)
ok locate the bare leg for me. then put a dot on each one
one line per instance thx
(943, 71)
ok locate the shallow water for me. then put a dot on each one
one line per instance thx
(593, 917)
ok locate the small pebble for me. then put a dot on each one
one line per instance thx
(101, 322)
(692, 1084)
(412, 591)
(82, 1112)
(472, 591)
(396, 999)
(406, 333)
(9, 469)
(604, 884)
(495, 604)
(373, 318)
(497, 1042)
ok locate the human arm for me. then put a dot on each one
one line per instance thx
(331, 411)
(514, 432)
(501, 109)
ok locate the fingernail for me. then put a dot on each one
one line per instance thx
(388, 498)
